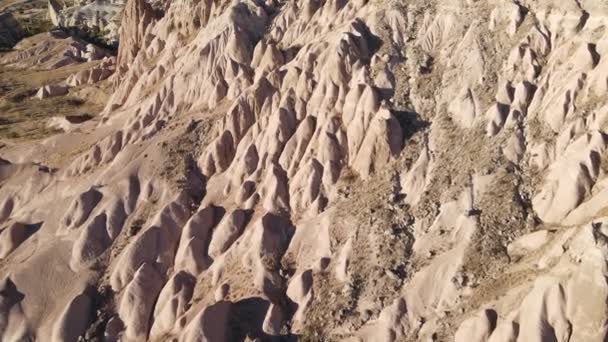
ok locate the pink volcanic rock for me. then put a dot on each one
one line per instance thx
(73, 320)
(193, 251)
(382, 143)
(154, 246)
(543, 313)
(227, 232)
(210, 324)
(89, 76)
(51, 90)
(91, 243)
(136, 20)
(6, 208)
(570, 178)
(219, 157)
(137, 303)
(306, 185)
(173, 302)
(13, 323)
(13, 236)
(362, 170)
(80, 209)
(477, 328)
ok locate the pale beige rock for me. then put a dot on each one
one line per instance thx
(221, 292)
(210, 324)
(414, 182)
(227, 232)
(244, 166)
(173, 302)
(587, 284)
(74, 320)
(7, 207)
(300, 292)
(505, 92)
(544, 310)
(515, 148)
(245, 191)
(137, 303)
(389, 326)
(381, 144)
(274, 191)
(315, 147)
(342, 261)
(541, 155)
(154, 246)
(508, 15)
(359, 119)
(556, 249)
(464, 109)
(496, 117)
(136, 20)
(47, 51)
(13, 323)
(89, 76)
(477, 328)
(522, 97)
(91, 243)
(192, 252)
(306, 185)
(219, 156)
(51, 90)
(441, 283)
(528, 243)
(13, 236)
(79, 211)
(506, 331)
(271, 237)
(570, 179)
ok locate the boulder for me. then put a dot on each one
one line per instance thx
(51, 90)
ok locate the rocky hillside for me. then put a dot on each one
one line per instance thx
(322, 170)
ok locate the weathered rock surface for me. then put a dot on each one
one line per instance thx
(52, 50)
(337, 170)
(101, 16)
(51, 90)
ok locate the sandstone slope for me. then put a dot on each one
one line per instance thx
(322, 170)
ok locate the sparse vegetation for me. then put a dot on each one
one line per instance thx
(93, 35)
(25, 117)
(311, 334)
(35, 25)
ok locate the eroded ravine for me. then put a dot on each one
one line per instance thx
(322, 170)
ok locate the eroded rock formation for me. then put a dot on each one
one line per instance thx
(334, 170)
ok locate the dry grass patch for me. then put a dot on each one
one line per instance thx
(24, 117)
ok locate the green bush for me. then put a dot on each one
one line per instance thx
(35, 25)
